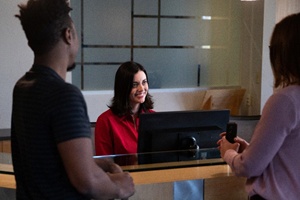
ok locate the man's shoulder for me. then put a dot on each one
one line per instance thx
(65, 89)
(68, 87)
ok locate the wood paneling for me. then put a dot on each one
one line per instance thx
(225, 188)
(5, 146)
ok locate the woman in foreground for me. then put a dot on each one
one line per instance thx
(271, 161)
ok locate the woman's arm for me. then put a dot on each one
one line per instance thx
(277, 120)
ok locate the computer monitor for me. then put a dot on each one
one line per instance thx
(180, 135)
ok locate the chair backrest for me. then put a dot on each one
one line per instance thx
(224, 99)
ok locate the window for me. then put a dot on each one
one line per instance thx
(181, 43)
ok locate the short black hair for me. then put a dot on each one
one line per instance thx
(43, 22)
(122, 88)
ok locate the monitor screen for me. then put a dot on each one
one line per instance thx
(180, 135)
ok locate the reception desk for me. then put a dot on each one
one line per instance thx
(213, 178)
(160, 181)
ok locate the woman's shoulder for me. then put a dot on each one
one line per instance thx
(289, 95)
(289, 91)
(106, 113)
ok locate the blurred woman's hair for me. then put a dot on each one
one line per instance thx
(285, 51)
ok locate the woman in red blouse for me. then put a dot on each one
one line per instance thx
(116, 130)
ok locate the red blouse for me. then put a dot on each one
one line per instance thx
(115, 134)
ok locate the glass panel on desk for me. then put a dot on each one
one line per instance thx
(147, 161)
(6, 163)
(166, 159)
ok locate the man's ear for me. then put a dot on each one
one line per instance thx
(67, 35)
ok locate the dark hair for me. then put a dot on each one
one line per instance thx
(285, 51)
(123, 85)
(43, 22)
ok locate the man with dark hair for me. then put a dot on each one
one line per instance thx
(50, 129)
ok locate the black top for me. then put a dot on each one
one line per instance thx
(46, 111)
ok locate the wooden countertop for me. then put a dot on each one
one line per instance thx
(156, 176)
(7, 181)
(149, 173)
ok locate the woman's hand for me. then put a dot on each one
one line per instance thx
(243, 144)
(224, 145)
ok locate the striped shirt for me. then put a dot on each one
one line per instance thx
(46, 111)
